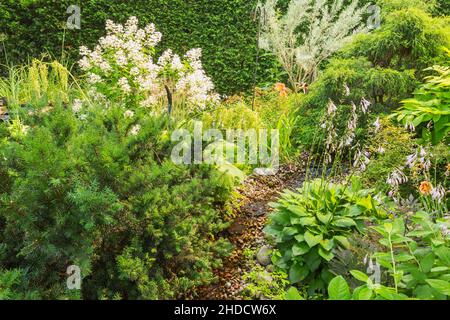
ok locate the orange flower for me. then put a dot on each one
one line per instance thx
(281, 88)
(425, 187)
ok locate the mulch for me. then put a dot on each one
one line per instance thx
(246, 232)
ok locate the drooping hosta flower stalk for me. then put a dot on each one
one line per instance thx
(377, 125)
(324, 30)
(361, 160)
(395, 179)
(365, 104)
(420, 161)
(438, 193)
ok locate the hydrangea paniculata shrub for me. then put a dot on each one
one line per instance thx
(124, 65)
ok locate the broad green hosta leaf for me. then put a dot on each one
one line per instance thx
(293, 294)
(338, 289)
(289, 231)
(366, 203)
(343, 222)
(307, 221)
(362, 293)
(327, 255)
(441, 286)
(444, 254)
(427, 262)
(361, 276)
(297, 273)
(296, 210)
(281, 217)
(430, 103)
(300, 248)
(311, 239)
(343, 241)
(313, 260)
(327, 244)
(354, 211)
(324, 218)
(274, 231)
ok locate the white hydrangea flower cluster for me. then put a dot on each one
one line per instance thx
(124, 60)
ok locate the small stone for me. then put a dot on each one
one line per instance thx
(264, 255)
(228, 285)
(265, 277)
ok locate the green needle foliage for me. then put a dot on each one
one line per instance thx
(87, 192)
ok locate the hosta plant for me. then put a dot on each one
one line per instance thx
(429, 110)
(309, 224)
(338, 289)
(416, 258)
(417, 255)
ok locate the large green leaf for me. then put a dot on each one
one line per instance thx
(344, 222)
(289, 231)
(361, 276)
(311, 239)
(327, 255)
(293, 294)
(362, 293)
(281, 217)
(313, 259)
(300, 249)
(426, 263)
(343, 241)
(338, 289)
(444, 254)
(297, 273)
(324, 218)
(441, 286)
(354, 210)
(327, 244)
(307, 221)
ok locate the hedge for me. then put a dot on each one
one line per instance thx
(225, 30)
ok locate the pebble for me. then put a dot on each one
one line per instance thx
(264, 255)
